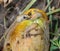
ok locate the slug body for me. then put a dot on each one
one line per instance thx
(29, 33)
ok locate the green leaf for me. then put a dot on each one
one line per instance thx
(53, 47)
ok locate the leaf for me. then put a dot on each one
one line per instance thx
(53, 47)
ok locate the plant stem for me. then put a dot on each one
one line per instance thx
(56, 27)
(54, 11)
(50, 16)
(48, 5)
(5, 23)
(29, 5)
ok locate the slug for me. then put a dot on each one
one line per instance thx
(29, 32)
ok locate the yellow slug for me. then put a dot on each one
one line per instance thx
(30, 32)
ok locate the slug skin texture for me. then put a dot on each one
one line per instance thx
(30, 32)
